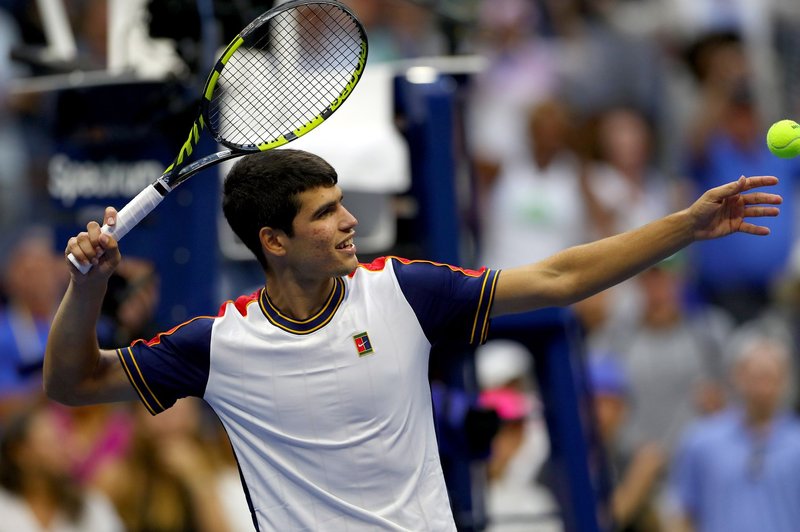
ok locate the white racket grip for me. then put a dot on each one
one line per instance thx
(130, 215)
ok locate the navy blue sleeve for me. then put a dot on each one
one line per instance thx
(172, 365)
(452, 304)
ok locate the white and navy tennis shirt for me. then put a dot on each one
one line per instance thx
(330, 418)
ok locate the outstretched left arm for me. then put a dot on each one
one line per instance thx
(580, 271)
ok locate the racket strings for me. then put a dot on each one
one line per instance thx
(287, 77)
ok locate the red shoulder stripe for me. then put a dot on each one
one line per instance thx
(241, 303)
(380, 263)
(374, 266)
(157, 338)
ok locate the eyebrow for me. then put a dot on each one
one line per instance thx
(327, 206)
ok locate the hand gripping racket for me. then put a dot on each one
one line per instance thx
(281, 77)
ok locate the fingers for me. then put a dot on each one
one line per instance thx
(761, 212)
(110, 219)
(744, 184)
(108, 244)
(753, 229)
(761, 198)
(85, 246)
(757, 212)
(759, 181)
(89, 246)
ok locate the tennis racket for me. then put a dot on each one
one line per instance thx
(282, 76)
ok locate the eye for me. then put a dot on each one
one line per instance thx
(327, 211)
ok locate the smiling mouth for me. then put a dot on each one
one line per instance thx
(347, 244)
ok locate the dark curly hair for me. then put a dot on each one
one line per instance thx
(261, 190)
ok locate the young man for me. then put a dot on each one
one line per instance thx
(320, 377)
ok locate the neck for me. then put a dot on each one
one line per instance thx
(632, 172)
(544, 158)
(41, 501)
(661, 317)
(33, 309)
(758, 420)
(298, 300)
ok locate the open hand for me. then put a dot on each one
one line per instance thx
(725, 209)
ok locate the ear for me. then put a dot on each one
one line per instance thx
(273, 241)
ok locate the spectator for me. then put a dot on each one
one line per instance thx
(33, 280)
(521, 72)
(37, 492)
(739, 471)
(672, 353)
(397, 30)
(625, 187)
(601, 67)
(629, 188)
(99, 438)
(636, 472)
(756, 21)
(173, 478)
(515, 499)
(781, 319)
(535, 208)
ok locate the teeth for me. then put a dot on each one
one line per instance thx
(346, 243)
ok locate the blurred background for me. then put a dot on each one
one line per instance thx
(484, 133)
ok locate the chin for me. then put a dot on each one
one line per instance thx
(350, 265)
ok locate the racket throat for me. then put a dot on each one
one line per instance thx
(161, 187)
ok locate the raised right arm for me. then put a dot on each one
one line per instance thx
(76, 370)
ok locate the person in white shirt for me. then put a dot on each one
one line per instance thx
(320, 377)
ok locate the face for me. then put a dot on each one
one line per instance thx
(661, 287)
(625, 138)
(610, 411)
(761, 380)
(43, 452)
(322, 245)
(548, 126)
(34, 278)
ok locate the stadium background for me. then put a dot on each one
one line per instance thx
(457, 95)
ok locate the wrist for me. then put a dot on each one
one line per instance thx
(90, 288)
(686, 226)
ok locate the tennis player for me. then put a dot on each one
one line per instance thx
(320, 377)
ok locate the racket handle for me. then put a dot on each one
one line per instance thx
(130, 215)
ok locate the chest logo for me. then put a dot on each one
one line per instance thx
(363, 344)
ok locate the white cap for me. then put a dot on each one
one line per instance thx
(501, 361)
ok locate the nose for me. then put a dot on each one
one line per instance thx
(348, 220)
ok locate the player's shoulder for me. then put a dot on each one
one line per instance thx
(240, 304)
(193, 330)
(421, 277)
(377, 265)
(397, 264)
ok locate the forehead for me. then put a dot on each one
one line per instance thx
(313, 198)
(764, 358)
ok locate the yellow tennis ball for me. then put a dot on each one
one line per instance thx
(783, 139)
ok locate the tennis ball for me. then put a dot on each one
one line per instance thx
(783, 139)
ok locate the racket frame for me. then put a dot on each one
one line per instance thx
(182, 169)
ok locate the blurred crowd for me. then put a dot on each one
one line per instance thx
(596, 117)
(590, 117)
